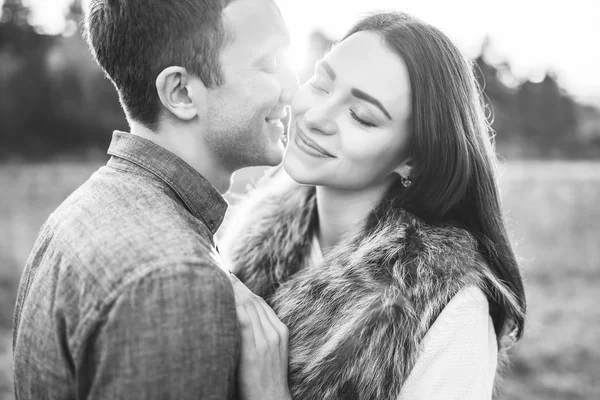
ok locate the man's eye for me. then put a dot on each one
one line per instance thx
(270, 64)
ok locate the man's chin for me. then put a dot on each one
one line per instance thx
(274, 154)
(270, 158)
(265, 154)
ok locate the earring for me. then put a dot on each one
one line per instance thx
(405, 181)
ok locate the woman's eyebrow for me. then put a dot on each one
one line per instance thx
(359, 94)
(325, 65)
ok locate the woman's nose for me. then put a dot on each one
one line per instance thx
(320, 118)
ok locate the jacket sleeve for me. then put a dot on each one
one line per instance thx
(459, 353)
(169, 335)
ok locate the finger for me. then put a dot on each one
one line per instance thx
(246, 329)
(280, 338)
(246, 314)
(265, 321)
(239, 286)
(241, 291)
(281, 330)
(233, 279)
(274, 335)
(249, 303)
(245, 301)
(274, 319)
(266, 326)
(232, 276)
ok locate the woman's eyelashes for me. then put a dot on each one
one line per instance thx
(362, 121)
(317, 86)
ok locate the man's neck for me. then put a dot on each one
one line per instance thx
(343, 211)
(187, 146)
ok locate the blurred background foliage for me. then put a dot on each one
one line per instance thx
(54, 99)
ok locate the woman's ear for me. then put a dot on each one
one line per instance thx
(404, 169)
(174, 87)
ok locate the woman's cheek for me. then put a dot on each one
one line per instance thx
(360, 148)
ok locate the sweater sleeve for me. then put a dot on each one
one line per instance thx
(459, 353)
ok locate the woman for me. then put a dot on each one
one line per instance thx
(387, 259)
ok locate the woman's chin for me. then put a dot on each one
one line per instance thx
(297, 170)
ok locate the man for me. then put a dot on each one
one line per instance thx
(122, 296)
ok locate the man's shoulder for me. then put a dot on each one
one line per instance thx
(110, 230)
(115, 202)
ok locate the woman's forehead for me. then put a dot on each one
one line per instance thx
(364, 62)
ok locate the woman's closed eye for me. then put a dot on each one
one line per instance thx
(316, 85)
(364, 121)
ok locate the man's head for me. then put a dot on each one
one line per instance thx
(134, 40)
(244, 114)
(210, 68)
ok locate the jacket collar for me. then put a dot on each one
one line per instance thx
(198, 195)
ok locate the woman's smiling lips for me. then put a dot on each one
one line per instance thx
(310, 146)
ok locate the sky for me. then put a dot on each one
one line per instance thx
(533, 36)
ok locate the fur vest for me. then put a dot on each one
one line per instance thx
(355, 321)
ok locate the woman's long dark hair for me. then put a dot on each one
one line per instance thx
(453, 164)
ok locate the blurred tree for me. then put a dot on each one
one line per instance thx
(23, 81)
(529, 118)
(589, 118)
(53, 97)
(498, 98)
(87, 102)
(547, 114)
(15, 32)
(496, 95)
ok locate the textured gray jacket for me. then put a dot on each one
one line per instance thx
(121, 297)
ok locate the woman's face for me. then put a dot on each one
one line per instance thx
(349, 125)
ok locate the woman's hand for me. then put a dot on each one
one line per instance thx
(262, 372)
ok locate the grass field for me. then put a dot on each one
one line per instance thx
(553, 210)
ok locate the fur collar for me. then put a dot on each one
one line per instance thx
(356, 320)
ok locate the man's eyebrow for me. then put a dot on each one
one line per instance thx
(328, 69)
(367, 97)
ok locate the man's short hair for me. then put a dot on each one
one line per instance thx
(134, 40)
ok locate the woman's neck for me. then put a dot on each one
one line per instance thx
(341, 211)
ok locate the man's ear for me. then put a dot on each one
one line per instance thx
(174, 87)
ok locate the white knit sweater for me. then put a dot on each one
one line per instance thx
(459, 352)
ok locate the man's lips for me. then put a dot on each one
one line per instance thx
(311, 143)
(276, 116)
